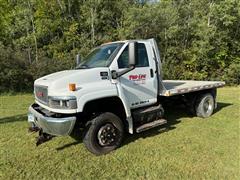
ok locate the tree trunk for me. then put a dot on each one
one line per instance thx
(61, 6)
(29, 55)
(28, 48)
(209, 14)
(59, 3)
(69, 8)
(34, 32)
(92, 26)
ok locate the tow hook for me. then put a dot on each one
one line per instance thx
(43, 137)
(33, 129)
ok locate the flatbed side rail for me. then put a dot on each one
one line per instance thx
(177, 91)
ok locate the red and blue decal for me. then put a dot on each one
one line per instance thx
(137, 77)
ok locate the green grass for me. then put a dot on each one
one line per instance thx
(188, 148)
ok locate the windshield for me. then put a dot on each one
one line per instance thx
(100, 56)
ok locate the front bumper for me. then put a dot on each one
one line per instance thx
(51, 125)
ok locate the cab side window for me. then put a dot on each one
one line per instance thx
(123, 59)
(142, 57)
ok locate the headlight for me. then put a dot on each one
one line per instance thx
(62, 102)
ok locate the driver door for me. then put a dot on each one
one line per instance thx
(139, 85)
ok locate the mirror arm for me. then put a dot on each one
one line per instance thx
(125, 71)
(132, 47)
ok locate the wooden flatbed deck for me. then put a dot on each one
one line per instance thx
(176, 87)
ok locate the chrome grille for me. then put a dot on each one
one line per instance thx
(41, 94)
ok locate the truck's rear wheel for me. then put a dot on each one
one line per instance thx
(205, 105)
(104, 134)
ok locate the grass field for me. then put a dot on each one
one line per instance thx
(187, 148)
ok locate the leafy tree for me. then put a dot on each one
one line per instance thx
(197, 39)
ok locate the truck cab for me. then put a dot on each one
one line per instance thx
(117, 88)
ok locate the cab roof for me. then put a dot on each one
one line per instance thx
(124, 41)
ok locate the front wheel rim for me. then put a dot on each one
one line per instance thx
(108, 135)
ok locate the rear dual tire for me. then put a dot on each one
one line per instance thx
(205, 105)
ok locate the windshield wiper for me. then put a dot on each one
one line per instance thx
(84, 66)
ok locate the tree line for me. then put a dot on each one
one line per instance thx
(198, 39)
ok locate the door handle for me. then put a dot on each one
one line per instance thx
(151, 73)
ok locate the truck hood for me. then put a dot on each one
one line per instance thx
(59, 81)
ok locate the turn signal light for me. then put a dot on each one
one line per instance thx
(72, 87)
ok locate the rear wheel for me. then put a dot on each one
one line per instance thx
(205, 105)
(104, 134)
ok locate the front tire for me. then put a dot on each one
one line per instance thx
(104, 134)
(205, 105)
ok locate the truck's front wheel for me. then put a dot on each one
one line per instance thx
(104, 133)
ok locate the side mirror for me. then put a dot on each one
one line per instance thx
(78, 59)
(132, 46)
(114, 74)
(132, 55)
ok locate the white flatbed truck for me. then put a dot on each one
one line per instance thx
(118, 88)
